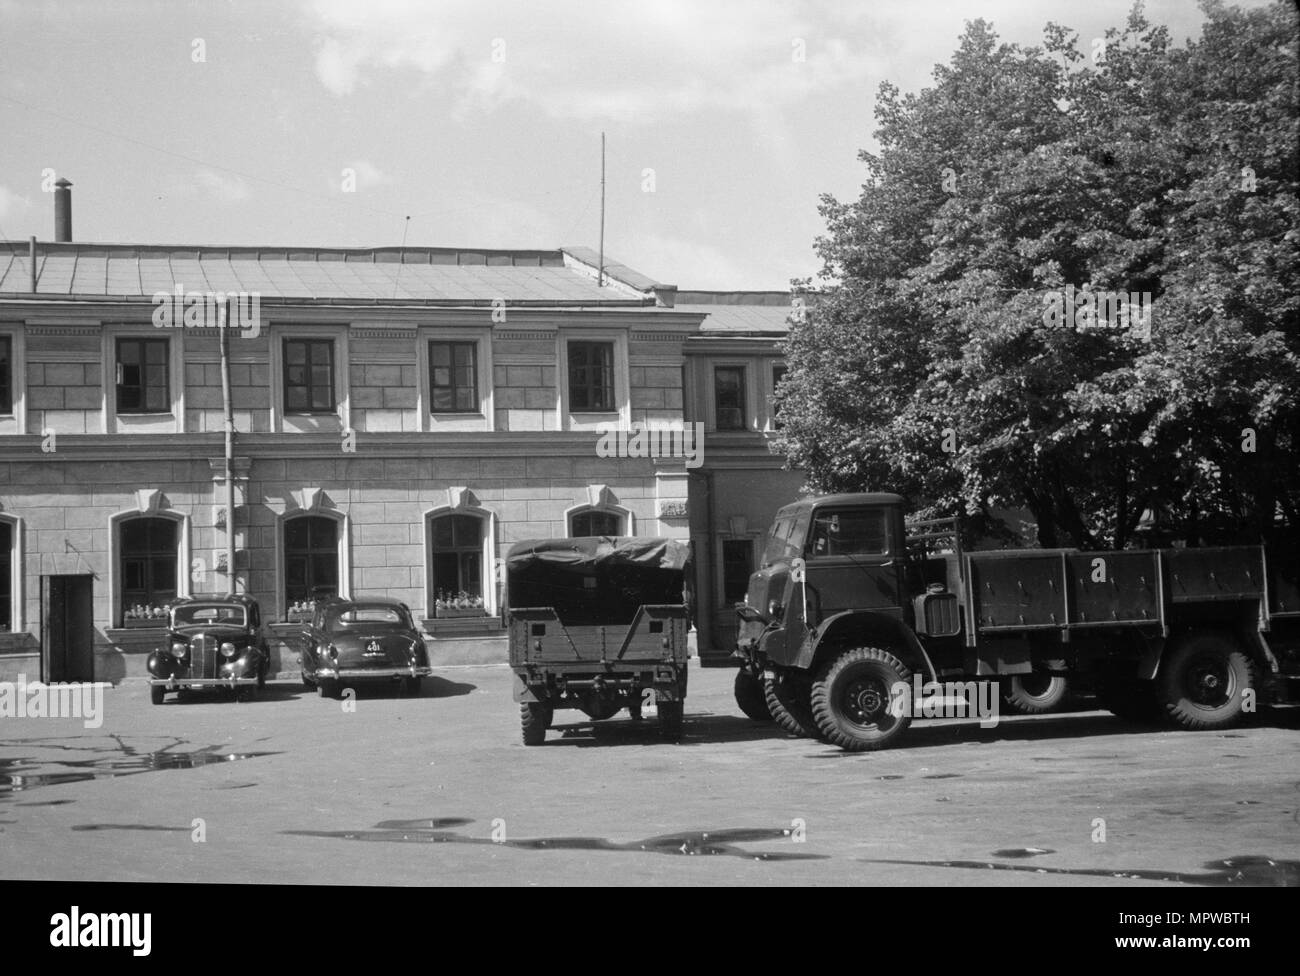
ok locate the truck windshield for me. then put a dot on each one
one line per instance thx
(778, 544)
(859, 532)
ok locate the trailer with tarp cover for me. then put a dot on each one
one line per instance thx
(598, 624)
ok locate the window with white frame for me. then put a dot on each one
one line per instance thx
(591, 377)
(311, 558)
(456, 556)
(7, 545)
(143, 384)
(148, 548)
(6, 375)
(592, 521)
(729, 398)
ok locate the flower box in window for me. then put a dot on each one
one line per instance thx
(450, 606)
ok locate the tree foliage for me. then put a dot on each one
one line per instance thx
(926, 365)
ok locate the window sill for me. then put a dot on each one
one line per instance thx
(461, 626)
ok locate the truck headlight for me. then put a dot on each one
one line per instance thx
(774, 609)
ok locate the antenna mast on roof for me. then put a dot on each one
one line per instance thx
(600, 277)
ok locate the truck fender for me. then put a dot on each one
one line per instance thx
(840, 628)
(526, 693)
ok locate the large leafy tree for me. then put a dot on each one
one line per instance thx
(927, 364)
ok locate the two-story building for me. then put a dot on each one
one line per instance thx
(401, 415)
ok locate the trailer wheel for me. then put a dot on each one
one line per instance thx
(1034, 694)
(789, 700)
(751, 697)
(157, 693)
(534, 719)
(1202, 683)
(852, 697)
(670, 720)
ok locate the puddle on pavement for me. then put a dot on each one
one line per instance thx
(705, 843)
(890, 776)
(24, 773)
(943, 776)
(185, 830)
(1023, 852)
(45, 803)
(1245, 870)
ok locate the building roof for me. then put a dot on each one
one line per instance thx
(738, 312)
(388, 275)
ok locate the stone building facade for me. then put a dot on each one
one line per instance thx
(402, 417)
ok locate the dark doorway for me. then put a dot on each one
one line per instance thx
(67, 628)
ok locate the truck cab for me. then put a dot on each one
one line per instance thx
(850, 551)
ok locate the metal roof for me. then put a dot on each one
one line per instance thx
(117, 271)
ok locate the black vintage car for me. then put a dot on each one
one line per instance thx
(350, 641)
(212, 641)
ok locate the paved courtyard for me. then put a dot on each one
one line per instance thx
(438, 790)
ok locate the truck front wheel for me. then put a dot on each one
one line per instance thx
(1203, 683)
(789, 700)
(751, 698)
(852, 698)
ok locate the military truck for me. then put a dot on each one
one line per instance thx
(851, 603)
(598, 624)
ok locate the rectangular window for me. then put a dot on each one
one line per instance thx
(453, 377)
(6, 375)
(309, 376)
(6, 584)
(729, 397)
(591, 377)
(142, 385)
(737, 565)
(778, 374)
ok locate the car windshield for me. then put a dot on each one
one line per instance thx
(364, 617)
(194, 615)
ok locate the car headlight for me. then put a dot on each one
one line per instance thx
(179, 649)
(228, 649)
(332, 651)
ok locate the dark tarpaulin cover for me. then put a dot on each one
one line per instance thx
(597, 579)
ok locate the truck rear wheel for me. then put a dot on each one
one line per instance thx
(1034, 694)
(789, 700)
(670, 720)
(852, 696)
(751, 697)
(534, 720)
(1203, 682)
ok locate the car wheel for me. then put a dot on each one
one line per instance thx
(534, 719)
(788, 698)
(751, 697)
(852, 699)
(157, 693)
(1034, 694)
(670, 720)
(307, 682)
(1203, 683)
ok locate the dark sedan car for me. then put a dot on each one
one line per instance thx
(351, 641)
(212, 641)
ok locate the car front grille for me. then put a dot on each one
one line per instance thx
(203, 657)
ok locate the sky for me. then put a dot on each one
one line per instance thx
(329, 123)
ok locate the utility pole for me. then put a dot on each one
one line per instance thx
(223, 322)
(600, 278)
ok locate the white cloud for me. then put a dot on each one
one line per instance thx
(624, 60)
(12, 204)
(224, 187)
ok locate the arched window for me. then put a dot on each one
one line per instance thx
(149, 558)
(457, 547)
(6, 577)
(311, 558)
(595, 522)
